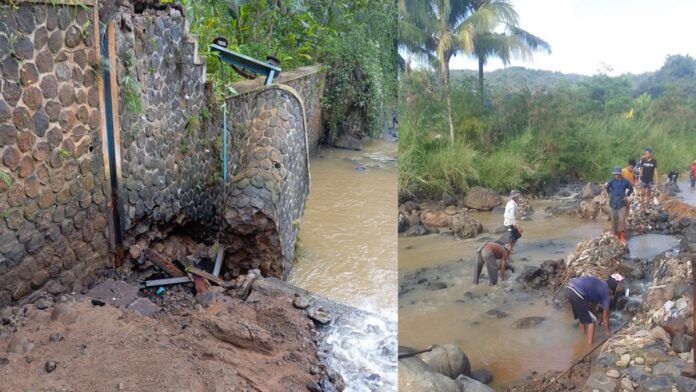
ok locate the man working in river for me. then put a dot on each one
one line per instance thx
(510, 219)
(618, 189)
(489, 253)
(586, 292)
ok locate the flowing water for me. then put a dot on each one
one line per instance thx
(457, 314)
(348, 233)
(348, 254)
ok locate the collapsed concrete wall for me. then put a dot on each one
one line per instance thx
(55, 186)
(268, 192)
(53, 232)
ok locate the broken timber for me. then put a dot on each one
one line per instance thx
(164, 264)
(210, 277)
(168, 281)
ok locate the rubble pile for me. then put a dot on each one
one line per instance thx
(598, 256)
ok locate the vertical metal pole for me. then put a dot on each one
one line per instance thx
(224, 127)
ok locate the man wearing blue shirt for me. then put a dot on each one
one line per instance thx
(618, 189)
(586, 292)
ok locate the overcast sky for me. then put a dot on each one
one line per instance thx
(631, 36)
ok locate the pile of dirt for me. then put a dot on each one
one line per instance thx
(263, 343)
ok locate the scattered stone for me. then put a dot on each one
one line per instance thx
(627, 384)
(301, 302)
(98, 302)
(613, 373)
(50, 366)
(496, 314)
(56, 336)
(42, 304)
(448, 359)
(144, 307)
(470, 385)
(313, 387)
(320, 315)
(528, 322)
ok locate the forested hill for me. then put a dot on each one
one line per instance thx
(678, 72)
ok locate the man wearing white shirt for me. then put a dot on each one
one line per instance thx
(510, 219)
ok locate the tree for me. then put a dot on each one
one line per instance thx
(436, 30)
(513, 42)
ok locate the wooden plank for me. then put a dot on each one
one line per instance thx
(201, 284)
(210, 277)
(164, 264)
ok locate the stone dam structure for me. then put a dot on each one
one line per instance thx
(110, 138)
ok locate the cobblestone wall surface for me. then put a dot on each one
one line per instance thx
(270, 186)
(53, 230)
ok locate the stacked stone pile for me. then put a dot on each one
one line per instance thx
(599, 256)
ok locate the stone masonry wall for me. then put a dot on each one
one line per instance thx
(270, 186)
(167, 163)
(53, 205)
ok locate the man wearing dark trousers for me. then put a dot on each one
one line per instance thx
(489, 253)
(648, 175)
(586, 292)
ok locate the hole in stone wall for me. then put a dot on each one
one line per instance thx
(277, 165)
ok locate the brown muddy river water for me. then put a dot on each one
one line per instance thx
(457, 314)
(348, 233)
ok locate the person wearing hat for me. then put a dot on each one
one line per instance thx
(489, 253)
(586, 292)
(510, 219)
(618, 188)
(692, 174)
(648, 173)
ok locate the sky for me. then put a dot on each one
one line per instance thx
(630, 36)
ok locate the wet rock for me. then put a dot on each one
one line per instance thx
(50, 366)
(496, 314)
(528, 322)
(627, 384)
(326, 385)
(320, 315)
(448, 199)
(613, 373)
(437, 286)
(482, 375)
(660, 334)
(682, 343)
(656, 384)
(482, 199)
(301, 302)
(448, 359)
(671, 368)
(416, 376)
(467, 384)
(98, 302)
(600, 382)
(464, 226)
(529, 273)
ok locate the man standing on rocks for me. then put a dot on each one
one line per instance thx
(586, 292)
(648, 173)
(489, 253)
(618, 189)
(510, 219)
(629, 173)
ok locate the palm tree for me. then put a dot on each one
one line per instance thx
(513, 42)
(436, 30)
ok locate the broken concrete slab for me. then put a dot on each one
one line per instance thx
(115, 292)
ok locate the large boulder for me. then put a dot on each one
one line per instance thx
(467, 384)
(348, 142)
(435, 218)
(482, 199)
(415, 225)
(448, 359)
(591, 190)
(464, 226)
(416, 376)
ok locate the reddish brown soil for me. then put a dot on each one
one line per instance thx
(677, 207)
(262, 344)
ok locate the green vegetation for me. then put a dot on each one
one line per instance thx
(354, 39)
(530, 131)
(6, 178)
(437, 30)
